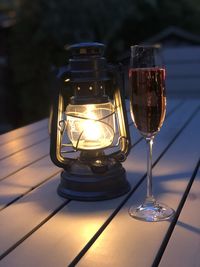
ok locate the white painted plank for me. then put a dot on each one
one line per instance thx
(24, 180)
(18, 184)
(57, 237)
(19, 144)
(23, 131)
(184, 245)
(129, 242)
(28, 212)
(23, 158)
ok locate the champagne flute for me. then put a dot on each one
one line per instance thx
(148, 108)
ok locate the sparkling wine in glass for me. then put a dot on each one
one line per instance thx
(148, 108)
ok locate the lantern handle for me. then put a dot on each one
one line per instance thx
(55, 133)
(119, 100)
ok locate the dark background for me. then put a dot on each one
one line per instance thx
(33, 35)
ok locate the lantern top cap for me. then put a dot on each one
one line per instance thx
(86, 49)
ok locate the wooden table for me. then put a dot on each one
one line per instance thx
(39, 228)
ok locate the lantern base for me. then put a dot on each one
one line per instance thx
(100, 183)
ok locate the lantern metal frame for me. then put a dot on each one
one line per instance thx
(93, 175)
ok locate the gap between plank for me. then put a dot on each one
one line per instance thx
(175, 219)
(105, 224)
(169, 114)
(102, 228)
(36, 143)
(10, 174)
(34, 229)
(39, 129)
(34, 187)
(28, 191)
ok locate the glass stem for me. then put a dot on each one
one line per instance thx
(149, 169)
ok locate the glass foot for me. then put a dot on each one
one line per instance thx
(151, 211)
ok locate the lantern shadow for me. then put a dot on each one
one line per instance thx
(41, 195)
(112, 205)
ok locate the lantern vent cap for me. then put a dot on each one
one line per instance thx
(86, 49)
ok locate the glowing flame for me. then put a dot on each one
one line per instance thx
(91, 127)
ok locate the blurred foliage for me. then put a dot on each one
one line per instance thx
(44, 27)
